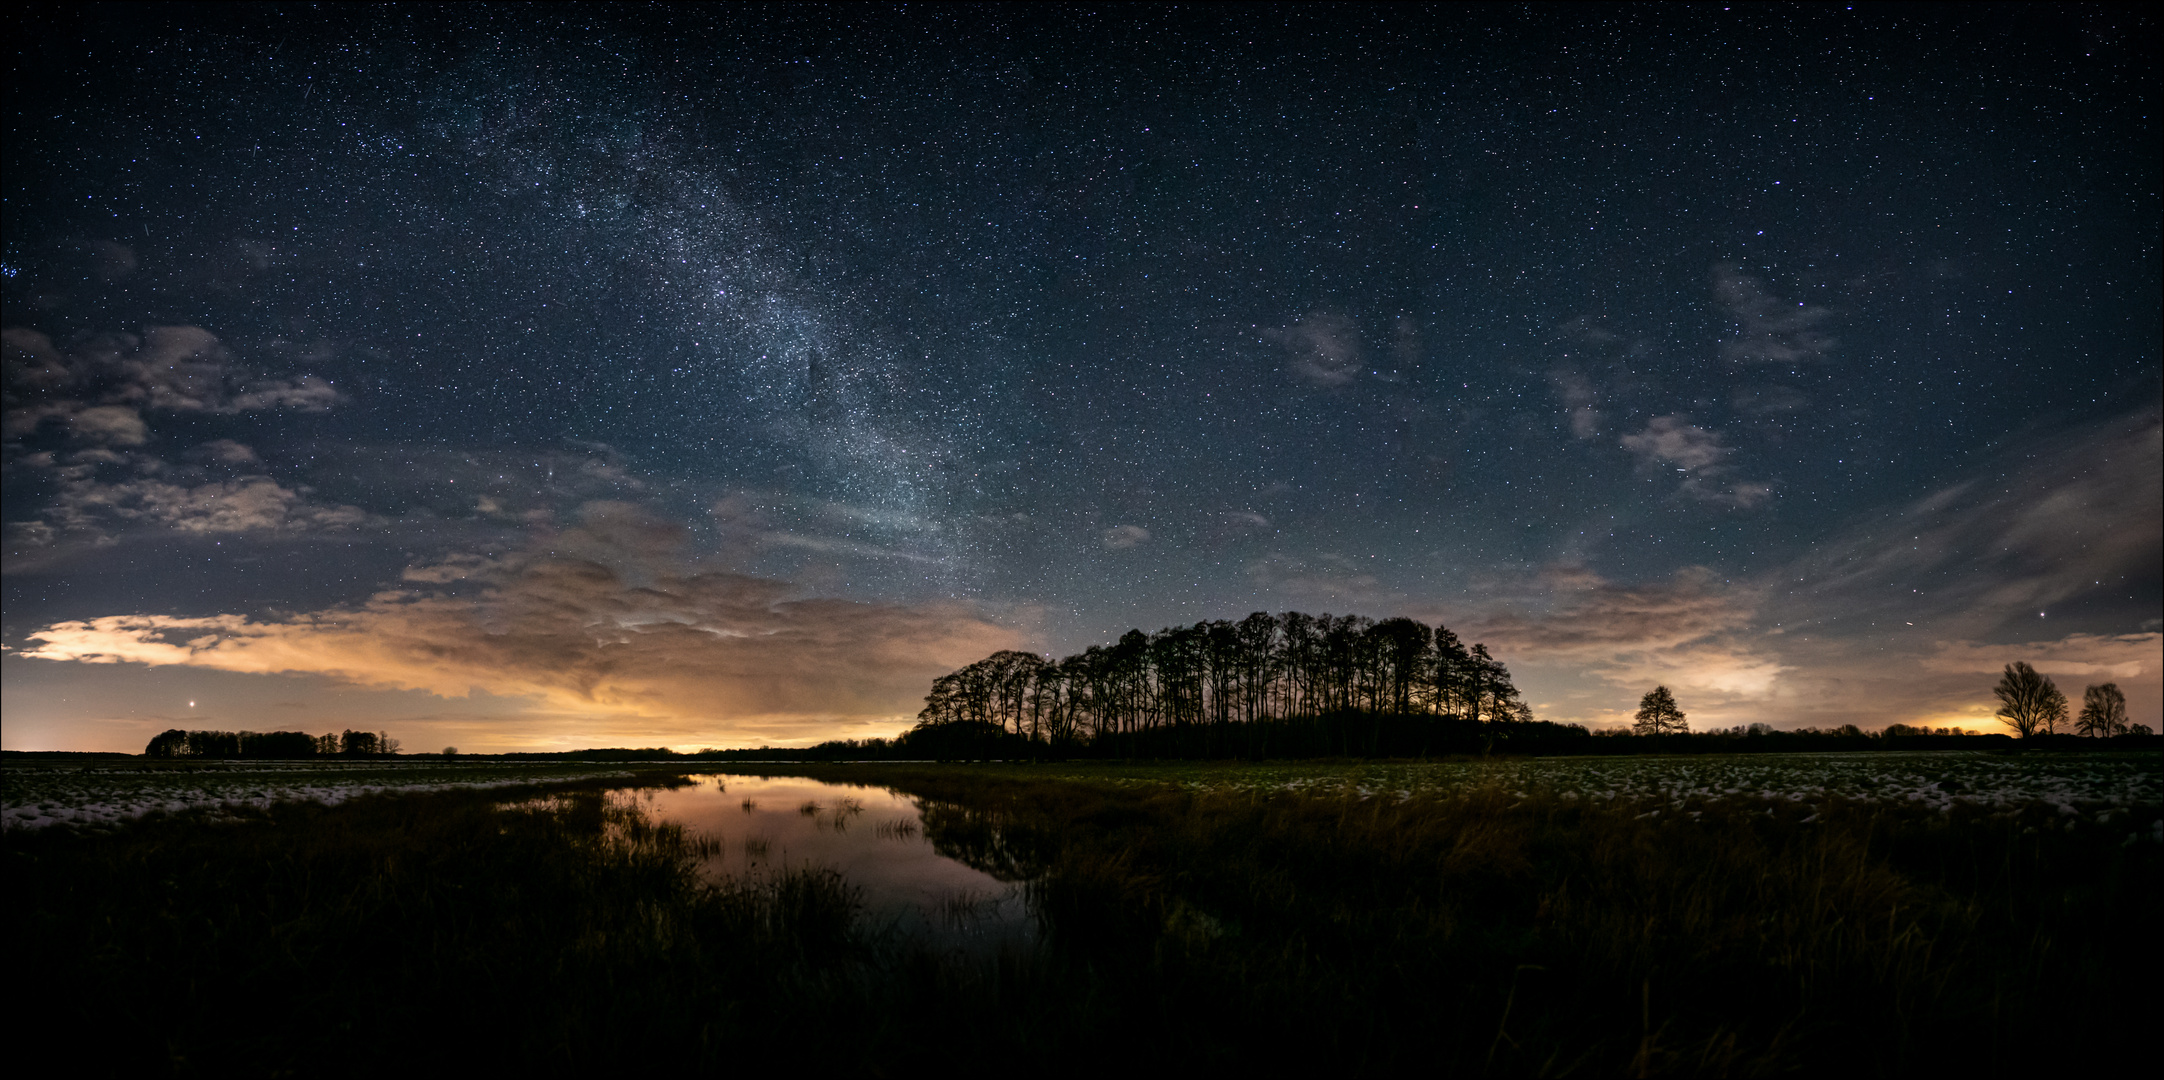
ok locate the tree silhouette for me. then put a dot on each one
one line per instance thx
(1658, 714)
(265, 744)
(2029, 702)
(2103, 711)
(1336, 681)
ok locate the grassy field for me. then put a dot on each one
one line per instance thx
(1871, 914)
(1694, 917)
(2088, 786)
(35, 794)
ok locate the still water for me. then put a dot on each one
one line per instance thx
(874, 837)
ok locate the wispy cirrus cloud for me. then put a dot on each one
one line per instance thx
(749, 524)
(2093, 656)
(1906, 617)
(1581, 402)
(1769, 329)
(1323, 578)
(1123, 537)
(1673, 442)
(1322, 349)
(1983, 556)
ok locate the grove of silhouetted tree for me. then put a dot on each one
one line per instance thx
(175, 743)
(1267, 684)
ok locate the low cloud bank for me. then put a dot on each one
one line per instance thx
(592, 623)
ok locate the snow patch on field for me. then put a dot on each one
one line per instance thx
(101, 797)
(2086, 786)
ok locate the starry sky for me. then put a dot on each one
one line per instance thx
(534, 378)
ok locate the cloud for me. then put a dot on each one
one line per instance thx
(103, 390)
(2077, 518)
(1673, 442)
(1405, 347)
(1232, 526)
(616, 636)
(749, 524)
(1906, 617)
(1122, 537)
(111, 261)
(183, 369)
(1579, 402)
(457, 566)
(1584, 647)
(1328, 578)
(304, 394)
(1323, 349)
(2119, 656)
(1574, 613)
(1769, 330)
(1689, 632)
(254, 504)
(113, 425)
(1768, 400)
(225, 452)
(1668, 439)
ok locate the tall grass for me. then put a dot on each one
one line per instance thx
(555, 934)
(1488, 931)
(1479, 932)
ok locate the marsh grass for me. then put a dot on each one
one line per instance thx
(1485, 931)
(962, 910)
(556, 934)
(1501, 930)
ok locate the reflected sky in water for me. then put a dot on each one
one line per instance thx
(875, 837)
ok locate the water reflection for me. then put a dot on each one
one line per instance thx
(876, 838)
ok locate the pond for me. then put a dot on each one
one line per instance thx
(875, 837)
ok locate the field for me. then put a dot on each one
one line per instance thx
(1866, 914)
(2092, 788)
(100, 795)
(2088, 788)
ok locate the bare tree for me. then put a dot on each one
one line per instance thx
(2103, 711)
(2029, 702)
(1658, 714)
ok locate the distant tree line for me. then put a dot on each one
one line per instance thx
(176, 743)
(1342, 684)
(971, 741)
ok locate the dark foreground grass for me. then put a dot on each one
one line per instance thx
(1489, 932)
(1476, 933)
(559, 934)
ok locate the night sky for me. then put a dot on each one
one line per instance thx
(536, 378)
